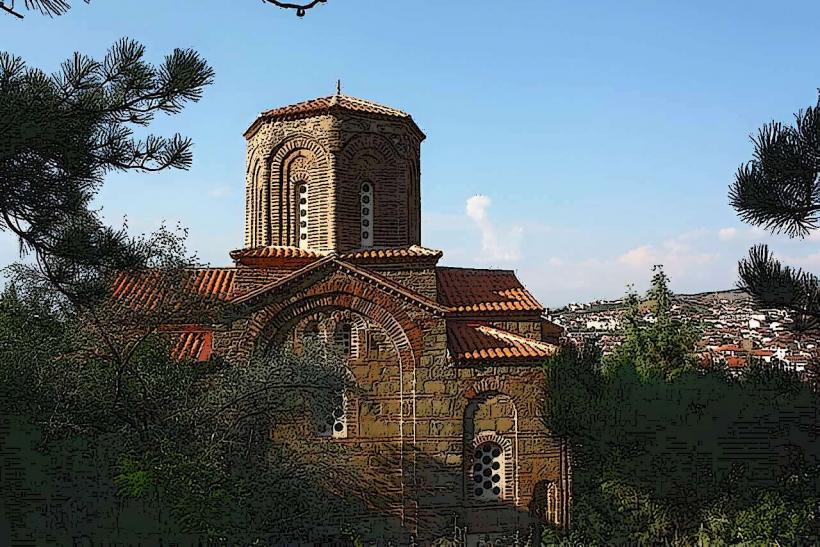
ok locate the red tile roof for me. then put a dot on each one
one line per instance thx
(264, 255)
(413, 251)
(476, 342)
(728, 348)
(193, 345)
(736, 362)
(276, 255)
(474, 290)
(276, 251)
(145, 289)
(324, 105)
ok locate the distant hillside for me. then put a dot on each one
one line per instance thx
(733, 327)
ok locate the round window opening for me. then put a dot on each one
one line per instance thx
(488, 472)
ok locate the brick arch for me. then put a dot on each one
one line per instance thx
(299, 141)
(372, 157)
(252, 201)
(281, 193)
(276, 321)
(373, 144)
(489, 386)
(478, 394)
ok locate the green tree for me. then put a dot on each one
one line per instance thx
(655, 343)
(667, 453)
(180, 449)
(63, 132)
(779, 191)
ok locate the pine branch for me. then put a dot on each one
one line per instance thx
(779, 190)
(10, 10)
(773, 285)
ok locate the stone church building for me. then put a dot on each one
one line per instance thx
(447, 361)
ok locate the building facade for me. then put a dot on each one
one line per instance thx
(446, 361)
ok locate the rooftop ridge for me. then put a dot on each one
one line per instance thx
(327, 104)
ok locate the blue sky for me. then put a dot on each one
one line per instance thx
(576, 142)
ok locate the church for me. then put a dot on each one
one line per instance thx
(447, 361)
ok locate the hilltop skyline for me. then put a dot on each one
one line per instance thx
(558, 154)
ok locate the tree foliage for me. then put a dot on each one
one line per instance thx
(666, 453)
(179, 449)
(779, 191)
(655, 343)
(62, 133)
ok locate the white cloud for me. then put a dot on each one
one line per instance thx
(726, 234)
(810, 262)
(689, 259)
(638, 257)
(496, 245)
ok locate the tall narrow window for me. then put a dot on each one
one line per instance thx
(342, 336)
(488, 472)
(303, 216)
(366, 204)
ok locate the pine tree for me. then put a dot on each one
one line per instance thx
(779, 190)
(62, 133)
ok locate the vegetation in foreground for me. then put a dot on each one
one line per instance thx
(666, 452)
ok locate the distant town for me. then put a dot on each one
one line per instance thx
(734, 329)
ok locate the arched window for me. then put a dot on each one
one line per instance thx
(303, 197)
(342, 336)
(488, 472)
(335, 423)
(260, 219)
(366, 205)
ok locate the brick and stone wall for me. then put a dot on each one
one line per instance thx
(333, 155)
(415, 415)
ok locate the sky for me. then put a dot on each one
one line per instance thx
(578, 143)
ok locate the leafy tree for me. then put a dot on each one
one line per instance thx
(779, 191)
(181, 449)
(654, 342)
(666, 453)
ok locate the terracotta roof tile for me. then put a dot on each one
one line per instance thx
(736, 362)
(474, 290)
(324, 105)
(264, 254)
(193, 345)
(145, 289)
(413, 251)
(728, 348)
(276, 251)
(475, 342)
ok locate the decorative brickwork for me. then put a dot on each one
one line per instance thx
(446, 362)
(332, 151)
